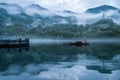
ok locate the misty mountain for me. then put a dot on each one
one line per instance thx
(37, 20)
(37, 16)
(37, 7)
(11, 14)
(11, 8)
(69, 12)
(96, 13)
(30, 16)
(102, 8)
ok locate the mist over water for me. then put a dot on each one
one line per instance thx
(51, 28)
(102, 41)
(59, 41)
(61, 62)
(51, 59)
(49, 41)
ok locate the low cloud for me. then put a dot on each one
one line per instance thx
(74, 5)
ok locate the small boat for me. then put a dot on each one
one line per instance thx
(79, 43)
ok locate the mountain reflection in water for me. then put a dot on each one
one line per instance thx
(61, 62)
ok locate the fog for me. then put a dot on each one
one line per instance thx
(12, 8)
(50, 41)
(61, 41)
(104, 41)
(32, 11)
(40, 40)
(88, 18)
(82, 18)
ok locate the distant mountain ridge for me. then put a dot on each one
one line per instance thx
(37, 6)
(32, 16)
(35, 15)
(37, 20)
(101, 9)
(69, 12)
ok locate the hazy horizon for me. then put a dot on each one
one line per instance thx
(76, 5)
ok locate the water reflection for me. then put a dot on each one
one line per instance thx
(106, 54)
(59, 61)
(19, 49)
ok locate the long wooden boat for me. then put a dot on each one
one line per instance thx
(14, 43)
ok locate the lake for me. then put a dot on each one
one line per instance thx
(60, 61)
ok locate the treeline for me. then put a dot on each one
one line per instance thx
(102, 28)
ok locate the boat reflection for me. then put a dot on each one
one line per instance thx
(18, 49)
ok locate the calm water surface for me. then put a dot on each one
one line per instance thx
(61, 62)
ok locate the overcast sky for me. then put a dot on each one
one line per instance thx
(73, 5)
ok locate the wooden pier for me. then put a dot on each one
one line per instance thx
(16, 43)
